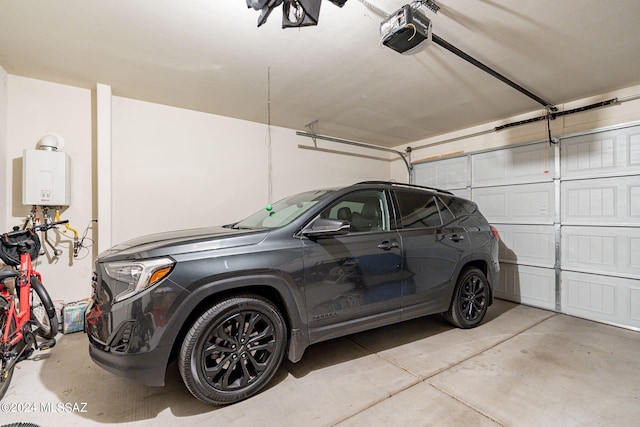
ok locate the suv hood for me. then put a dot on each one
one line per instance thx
(183, 241)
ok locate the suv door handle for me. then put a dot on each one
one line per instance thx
(456, 237)
(387, 245)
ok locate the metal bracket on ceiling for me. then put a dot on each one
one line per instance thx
(429, 4)
(312, 132)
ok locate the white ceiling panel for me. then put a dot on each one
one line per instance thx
(208, 55)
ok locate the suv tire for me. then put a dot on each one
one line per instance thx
(470, 299)
(233, 349)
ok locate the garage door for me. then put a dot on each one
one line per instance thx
(568, 216)
(600, 235)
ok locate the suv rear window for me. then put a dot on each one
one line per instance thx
(458, 207)
(418, 210)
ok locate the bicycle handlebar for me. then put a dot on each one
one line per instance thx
(41, 227)
(45, 227)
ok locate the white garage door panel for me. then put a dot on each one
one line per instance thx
(446, 174)
(570, 237)
(601, 154)
(527, 244)
(529, 285)
(462, 192)
(513, 166)
(607, 250)
(517, 204)
(602, 201)
(604, 298)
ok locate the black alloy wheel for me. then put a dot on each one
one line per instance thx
(232, 350)
(470, 299)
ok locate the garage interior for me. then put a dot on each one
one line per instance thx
(186, 114)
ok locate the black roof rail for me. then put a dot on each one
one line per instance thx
(402, 184)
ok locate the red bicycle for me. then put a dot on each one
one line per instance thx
(26, 309)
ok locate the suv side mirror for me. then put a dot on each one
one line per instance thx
(327, 228)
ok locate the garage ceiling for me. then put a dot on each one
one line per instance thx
(208, 55)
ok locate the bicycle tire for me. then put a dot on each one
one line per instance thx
(5, 377)
(20, 425)
(43, 312)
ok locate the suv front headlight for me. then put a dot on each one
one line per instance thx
(138, 275)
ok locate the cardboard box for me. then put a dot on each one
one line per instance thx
(73, 316)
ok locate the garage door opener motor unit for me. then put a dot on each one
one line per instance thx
(407, 31)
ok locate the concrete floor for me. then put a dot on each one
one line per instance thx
(522, 367)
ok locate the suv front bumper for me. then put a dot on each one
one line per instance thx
(148, 368)
(130, 338)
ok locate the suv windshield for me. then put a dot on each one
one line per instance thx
(284, 211)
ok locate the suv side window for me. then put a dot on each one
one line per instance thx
(456, 207)
(418, 209)
(446, 214)
(366, 211)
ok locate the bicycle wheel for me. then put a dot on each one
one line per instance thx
(5, 375)
(42, 310)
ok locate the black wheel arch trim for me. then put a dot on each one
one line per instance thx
(482, 262)
(268, 285)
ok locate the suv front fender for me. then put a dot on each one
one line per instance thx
(280, 290)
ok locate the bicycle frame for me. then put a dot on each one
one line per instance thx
(18, 335)
(22, 315)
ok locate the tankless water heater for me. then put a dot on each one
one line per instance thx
(45, 178)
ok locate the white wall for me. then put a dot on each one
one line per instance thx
(624, 112)
(3, 146)
(171, 168)
(175, 168)
(34, 108)
(296, 169)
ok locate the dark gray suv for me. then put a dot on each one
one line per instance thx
(230, 302)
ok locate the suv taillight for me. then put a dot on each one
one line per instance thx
(495, 233)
